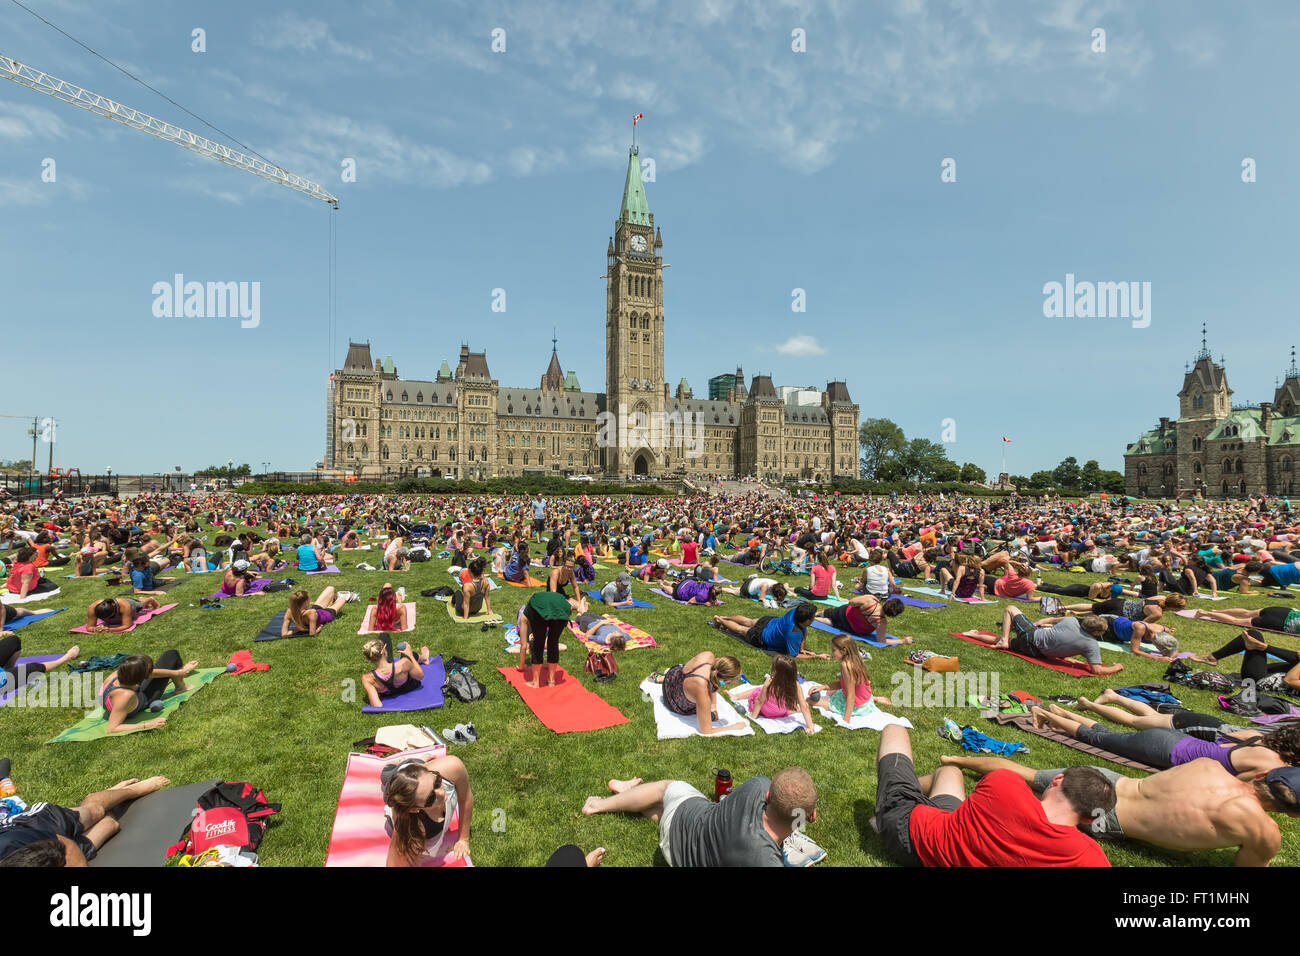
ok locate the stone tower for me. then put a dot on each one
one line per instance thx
(634, 332)
(1204, 400)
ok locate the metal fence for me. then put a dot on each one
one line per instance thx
(46, 486)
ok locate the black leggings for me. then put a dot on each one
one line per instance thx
(1070, 590)
(807, 593)
(155, 687)
(1255, 665)
(539, 630)
(11, 649)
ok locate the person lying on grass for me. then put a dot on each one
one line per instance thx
(391, 675)
(138, 685)
(691, 591)
(780, 694)
(1149, 610)
(785, 634)
(602, 629)
(748, 828)
(48, 835)
(237, 579)
(1240, 750)
(929, 821)
(854, 677)
(618, 593)
(769, 591)
(864, 616)
(692, 688)
(422, 796)
(1195, 806)
(1279, 618)
(1274, 670)
(115, 615)
(311, 617)
(1052, 637)
(11, 648)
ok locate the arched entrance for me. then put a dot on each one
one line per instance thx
(641, 464)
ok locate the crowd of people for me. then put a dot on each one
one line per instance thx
(836, 563)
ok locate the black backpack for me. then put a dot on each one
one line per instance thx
(463, 685)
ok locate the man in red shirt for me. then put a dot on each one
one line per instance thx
(1002, 822)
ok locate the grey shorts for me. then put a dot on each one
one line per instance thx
(1106, 826)
(675, 794)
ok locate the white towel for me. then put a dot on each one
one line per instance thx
(670, 726)
(8, 598)
(876, 721)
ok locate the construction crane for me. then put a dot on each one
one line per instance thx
(42, 82)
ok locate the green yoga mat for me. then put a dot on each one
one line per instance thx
(95, 726)
(481, 618)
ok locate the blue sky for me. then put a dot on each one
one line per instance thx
(775, 170)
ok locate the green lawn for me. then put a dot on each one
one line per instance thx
(289, 730)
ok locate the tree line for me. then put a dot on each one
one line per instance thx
(886, 454)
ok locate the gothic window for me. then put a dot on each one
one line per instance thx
(645, 324)
(390, 396)
(419, 396)
(1227, 465)
(433, 454)
(350, 454)
(1286, 464)
(383, 452)
(365, 451)
(483, 453)
(1240, 468)
(1196, 444)
(419, 451)
(632, 322)
(1197, 467)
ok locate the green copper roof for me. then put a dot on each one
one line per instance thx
(571, 381)
(388, 363)
(635, 209)
(1247, 422)
(444, 370)
(1151, 443)
(1284, 431)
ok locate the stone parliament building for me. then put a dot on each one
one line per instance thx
(1216, 448)
(464, 424)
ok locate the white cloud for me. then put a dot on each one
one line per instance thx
(801, 345)
(23, 121)
(309, 35)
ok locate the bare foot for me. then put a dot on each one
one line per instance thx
(125, 783)
(1056, 709)
(74, 651)
(592, 805)
(532, 683)
(595, 856)
(1040, 719)
(150, 785)
(564, 647)
(621, 786)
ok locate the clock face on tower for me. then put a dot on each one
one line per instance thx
(637, 243)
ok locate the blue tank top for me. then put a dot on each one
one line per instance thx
(1123, 629)
(307, 558)
(1285, 574)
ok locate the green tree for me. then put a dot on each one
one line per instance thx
(1020, 481)
(946, 470)
(922, 459)
(1041, 479)
(1111, 482)
(1090, 476)
(879, 441)
(972, 473)
(1066, 474)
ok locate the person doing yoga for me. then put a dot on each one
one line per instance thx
(139, 684)
(392, 672)
(310, 616)
(115, 615)
(692, 688)
(1244, 752)
(780, 694)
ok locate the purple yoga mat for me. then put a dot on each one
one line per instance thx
(328, 569)
(34, 659)
(428, 696)
(1274, 718)
(257, 585)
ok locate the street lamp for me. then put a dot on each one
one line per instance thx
(108, 469)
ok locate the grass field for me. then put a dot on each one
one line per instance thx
(289, 731)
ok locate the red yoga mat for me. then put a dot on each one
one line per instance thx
(1054, 663)
(568, 706)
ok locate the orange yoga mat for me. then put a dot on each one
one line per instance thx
(568, 706)
(529, 582)
(1073, 668)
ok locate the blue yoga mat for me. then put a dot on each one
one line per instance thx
(428, 696)
(636, 602)
(823, 626)
(31, 619)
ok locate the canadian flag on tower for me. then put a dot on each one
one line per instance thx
(1006, 440)
(636, 119)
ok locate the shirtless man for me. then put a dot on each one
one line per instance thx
(1195, 806)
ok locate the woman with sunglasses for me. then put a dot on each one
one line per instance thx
(422, 798)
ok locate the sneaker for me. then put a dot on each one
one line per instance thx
(470, 731)
(351, 597)
(950, 730)
(454, 736)
(864, 654)
(401, 594)
(798, 850)
(463, 735)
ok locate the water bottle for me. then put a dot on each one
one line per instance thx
(721, 783)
